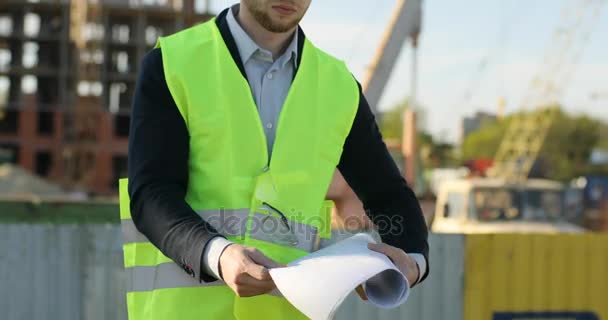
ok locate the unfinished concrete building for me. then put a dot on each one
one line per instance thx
(67, 75)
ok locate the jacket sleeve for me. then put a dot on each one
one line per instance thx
(158, 173)
(371, 172)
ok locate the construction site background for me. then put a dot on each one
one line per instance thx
(67, 76)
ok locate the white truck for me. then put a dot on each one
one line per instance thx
(485, 205)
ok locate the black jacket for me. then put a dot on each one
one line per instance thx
(158, 172)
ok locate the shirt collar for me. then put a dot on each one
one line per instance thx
(248, 48)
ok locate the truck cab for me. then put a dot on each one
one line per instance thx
(484, 205)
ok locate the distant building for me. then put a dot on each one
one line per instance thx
(474, 123)
(67, 76)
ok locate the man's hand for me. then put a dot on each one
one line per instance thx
(361, 292)
(245, 270)
(406, 264)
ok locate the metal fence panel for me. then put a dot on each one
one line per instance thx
(65, 272)
(75, 271)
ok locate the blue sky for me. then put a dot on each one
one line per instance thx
(510, 35)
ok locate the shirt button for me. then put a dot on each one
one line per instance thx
(269, 125)
(270, 75)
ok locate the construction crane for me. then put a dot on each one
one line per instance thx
(404, 24)
(527, 132)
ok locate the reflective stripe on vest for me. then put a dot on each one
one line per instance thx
(226, 222)
(163, 276)
(232, 223)
(166, 276)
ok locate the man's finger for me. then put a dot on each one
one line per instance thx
(251, 286)
(251, 291)
(249, 281)
(384, 249)
(378, 248)
(258, 272)
(259, 258)
(361, 293)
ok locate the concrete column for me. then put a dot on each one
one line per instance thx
(409, 147)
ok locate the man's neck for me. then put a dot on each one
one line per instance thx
(271, 41)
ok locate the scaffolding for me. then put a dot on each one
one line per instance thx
(67, 75)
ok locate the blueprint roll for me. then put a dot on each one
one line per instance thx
(388, 289)
(318, 283)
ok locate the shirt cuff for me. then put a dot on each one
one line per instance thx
(421, 261)
(211, 255)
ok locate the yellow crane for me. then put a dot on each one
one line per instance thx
(527, 132)
(404, 23)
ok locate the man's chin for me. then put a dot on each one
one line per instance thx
(281, 27)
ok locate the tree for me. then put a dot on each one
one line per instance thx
(569, 145)
(564, 154)
(391, 121)
(484, 142)
(432, 153)
(603, 136)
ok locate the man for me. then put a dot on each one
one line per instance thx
(237, 124)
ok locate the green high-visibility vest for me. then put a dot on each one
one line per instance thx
(276, 206)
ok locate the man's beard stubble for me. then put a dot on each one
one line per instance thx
(266, 21)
